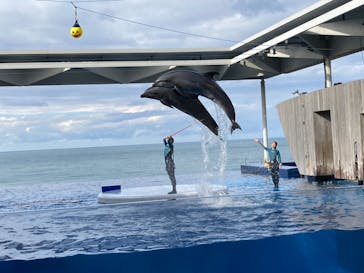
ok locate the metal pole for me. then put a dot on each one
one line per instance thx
(328, 72)
(264, 118)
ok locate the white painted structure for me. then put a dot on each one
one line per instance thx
(323, 31)
(264, 118)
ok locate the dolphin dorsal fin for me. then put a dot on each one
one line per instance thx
(211, 75)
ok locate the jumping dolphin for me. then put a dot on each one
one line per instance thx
(190, 105)
(190, 85)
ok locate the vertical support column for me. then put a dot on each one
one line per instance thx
(328, 72)
(264, 118)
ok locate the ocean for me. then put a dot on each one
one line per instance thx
(50, 215)
(45, 179)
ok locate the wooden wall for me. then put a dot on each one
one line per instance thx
(322, 128)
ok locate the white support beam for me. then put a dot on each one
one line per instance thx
(252, 40)
(264, 118)
(328, 72)
(292, 52)
(102, 64)
(263, 67)
(317, 43)
(342, 28)
(127, 75)
(300, 29)
(31, 77)
(341, 46)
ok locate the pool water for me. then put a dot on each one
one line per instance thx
(51, 221)
(251, 211)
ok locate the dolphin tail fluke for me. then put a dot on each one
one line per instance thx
(234, 126)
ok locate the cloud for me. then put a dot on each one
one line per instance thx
(47, 116)
(138, 108)
(45, 25)
(8, 119)
(71, 125)
(154, 118)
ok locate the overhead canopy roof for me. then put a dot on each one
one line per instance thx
(327, 29)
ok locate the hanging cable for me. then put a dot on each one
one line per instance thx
(76, 30)
(76, 18)
(156, 27)
(133, 21)
(152, 26)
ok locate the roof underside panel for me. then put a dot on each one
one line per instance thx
(327, 29)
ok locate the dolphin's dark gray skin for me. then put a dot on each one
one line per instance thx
(190, 105)
(191, 84)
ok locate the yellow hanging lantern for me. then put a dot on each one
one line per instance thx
(76, 30)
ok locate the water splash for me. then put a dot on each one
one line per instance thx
(214, 150)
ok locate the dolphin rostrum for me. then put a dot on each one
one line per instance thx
(187, 86)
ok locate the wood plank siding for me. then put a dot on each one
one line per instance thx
(324, 130)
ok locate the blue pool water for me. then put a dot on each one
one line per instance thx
(324, 251)
(50, 219)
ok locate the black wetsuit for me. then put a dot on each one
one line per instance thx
(274, 161)
(168, 157)
(274, 172)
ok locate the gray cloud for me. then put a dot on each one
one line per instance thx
(45, 25)
(63, 116)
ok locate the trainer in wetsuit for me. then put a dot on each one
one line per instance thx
(168, 157)
(275, 162)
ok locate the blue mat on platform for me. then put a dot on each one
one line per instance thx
(288, 170)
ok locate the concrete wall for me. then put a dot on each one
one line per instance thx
(325, 130)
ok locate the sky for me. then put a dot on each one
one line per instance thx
(102, 115)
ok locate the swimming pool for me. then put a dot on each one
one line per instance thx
(279, 226)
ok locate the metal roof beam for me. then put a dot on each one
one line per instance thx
(290, 65)
(341, 46)
(105, 64)
(294, 52)
(293, 21)
(318, 44)
(128, 75)
(299, 29)
(19, 78)
(340, 28)
(265, 66)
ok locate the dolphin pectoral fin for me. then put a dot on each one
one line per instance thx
(166, 103)
(211, 125)
(194, 108)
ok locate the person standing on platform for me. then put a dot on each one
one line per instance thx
(275, 162)
(169, 159)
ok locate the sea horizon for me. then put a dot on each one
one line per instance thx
(122, 145)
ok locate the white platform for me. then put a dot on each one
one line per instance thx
(154, 193)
